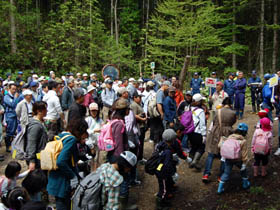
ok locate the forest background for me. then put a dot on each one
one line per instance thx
(84, 35)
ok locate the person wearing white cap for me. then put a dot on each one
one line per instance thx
(52, 75)
(24, 109)
(132, 88)
(108, 97)
(198, 137)
(94, 127)
(85, 82)
(89, 96)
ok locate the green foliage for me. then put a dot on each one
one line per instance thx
(257, 190)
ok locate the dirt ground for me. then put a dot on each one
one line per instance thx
(193, 194)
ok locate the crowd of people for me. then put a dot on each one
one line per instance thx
(180, 124)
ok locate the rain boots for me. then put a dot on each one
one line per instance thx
(264, 171)
(221, 187)
(245, 183)
(241, 115)
(195, 162)
(124, 205)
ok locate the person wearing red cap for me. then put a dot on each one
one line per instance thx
(262, 145)
(219, 95)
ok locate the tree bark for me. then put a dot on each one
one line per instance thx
(13, 28)
(147, 28)
(262, 39)
(116, 22)
(275, 41)
(90, 28)
(233, 37)
(184, 71)
(112, 19)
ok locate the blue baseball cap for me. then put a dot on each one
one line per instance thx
(33, 84)
(267, 76)
(20, 72)
(254, 72)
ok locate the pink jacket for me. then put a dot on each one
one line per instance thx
(88, 100)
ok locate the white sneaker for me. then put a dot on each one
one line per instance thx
(277, 152)
(276, 118)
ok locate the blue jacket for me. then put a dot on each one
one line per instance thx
(229, 87)
(254, 80)
(66, 98)
(266, 94)
(240, 86)
(10, 104)
(59, 180)
(196, 84)
(169, 108)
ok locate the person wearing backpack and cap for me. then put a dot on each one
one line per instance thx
(240, 149)
(197, 138)
(262, 145)
(111, 177)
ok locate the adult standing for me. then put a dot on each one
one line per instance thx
(147, 95)
(108, 97)
(254, 83)
(89, 96)
(37, 136)
(67, 97)
(179, 96)
(10, 103)
(240, 88)
(59, 180)
(77, 110)
(196, 84)
(222, 124)
(54, 113)
(212, 90)
(24, 109)
(219, 95)
(229, 87)
(169, 106)
(185, 105)
(267, 96)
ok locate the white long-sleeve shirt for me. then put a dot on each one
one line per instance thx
(54, 107)
(199, 120)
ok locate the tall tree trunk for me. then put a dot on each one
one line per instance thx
(112, 19)
(38, 13)
(147, 28)
(13, 28)
(116, 22)
(275, 41)
(184, 71)
(233, 36)
(90, 27)
(262, 39)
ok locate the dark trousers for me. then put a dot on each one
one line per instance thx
(141, 146)
(239, 101)
(63, 203)
(164, 187)
(53, 129)
(156, 127)
(261, 159)
(197, 145)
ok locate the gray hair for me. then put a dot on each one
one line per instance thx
(78, 92)
(70, 80)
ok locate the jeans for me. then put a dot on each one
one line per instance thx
(63, 203)
(185, 141)
(124, 187)
(228, 168)
(209, 163)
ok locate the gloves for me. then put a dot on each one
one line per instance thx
(204, 139)
(243, 167)
(272, 100)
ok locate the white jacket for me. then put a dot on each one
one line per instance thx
(199, 120)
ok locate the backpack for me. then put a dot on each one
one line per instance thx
(152, 108)
(261, 145)
(231, 149)
(153, 162)
(48, 156)
(105, 139)
(187, 121)
(19, 145)
(87, 196)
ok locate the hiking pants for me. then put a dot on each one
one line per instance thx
(239, 101)
(228, 168)
(63, 203)
(12, 124)
(164, 187)
(141, 146)
(261, 159)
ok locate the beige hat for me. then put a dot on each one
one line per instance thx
(150, 83)
(121, 103)
(90, 88)
(93, 106)
(122, 90)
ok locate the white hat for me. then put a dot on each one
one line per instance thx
(140, 80)
(85, 75)
(41, 78)
(150, 83)
(198, 97)
(119, 82)
(93, 106)
(5, 83)
(34, 76)
(131, 80)
(51, 72)
(11, 83)
(78, 74)
(63, 78)
(92, 75)
(122, 90)
(90, 88)
(129, 157)
(27, 92)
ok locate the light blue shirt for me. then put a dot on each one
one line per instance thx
(108, 97)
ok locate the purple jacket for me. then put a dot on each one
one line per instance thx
(240, 86)
(120, 138)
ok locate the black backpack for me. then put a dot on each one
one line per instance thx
(153, 162)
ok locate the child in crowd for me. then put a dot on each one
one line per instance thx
(239, 145)
(17, 198)
(9, 181)
(262, 145)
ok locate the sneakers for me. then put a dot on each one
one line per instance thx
(277, 152)
(205, 178)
